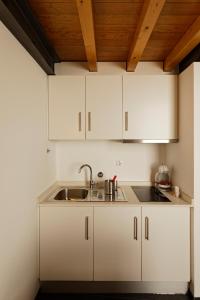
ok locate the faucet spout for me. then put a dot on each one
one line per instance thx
(90, 168)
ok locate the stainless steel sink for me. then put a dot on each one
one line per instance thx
(70, 194)
(82, 194)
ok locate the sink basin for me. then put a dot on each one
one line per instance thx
(68, 194)
(82, 194)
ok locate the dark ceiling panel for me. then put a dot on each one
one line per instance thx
(20, 20)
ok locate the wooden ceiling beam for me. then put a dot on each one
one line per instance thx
(150, 12)
(186, 44)
(87, 27)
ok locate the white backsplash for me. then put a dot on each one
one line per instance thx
(138, 161)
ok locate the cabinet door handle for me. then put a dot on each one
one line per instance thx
(126, 121)
(79, 121)
(86, 228)
(135, 228)
(89, 121)
(146, 228)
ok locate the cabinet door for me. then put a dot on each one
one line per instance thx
(66, 107)
(149, 107)
(104, 107)
(66, 243)
(117, 244)
(165, 244)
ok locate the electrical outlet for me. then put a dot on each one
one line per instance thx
(118, 163)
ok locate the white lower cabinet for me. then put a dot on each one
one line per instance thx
(165, 243)
(117, 243)
(66, 243)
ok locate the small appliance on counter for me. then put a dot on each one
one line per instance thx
(162, 178)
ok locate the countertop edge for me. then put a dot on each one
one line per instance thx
(184, 201)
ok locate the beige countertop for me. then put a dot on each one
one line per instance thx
(46, 198)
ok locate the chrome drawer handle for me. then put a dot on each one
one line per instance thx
(89, 121)
(146, 228)
(86, 228)
(126, 121)
(79, 121)
(135, 228)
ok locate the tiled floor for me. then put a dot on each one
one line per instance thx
(111, 297)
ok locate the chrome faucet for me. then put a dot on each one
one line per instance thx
(90, 168)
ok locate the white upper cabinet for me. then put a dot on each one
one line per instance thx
(166, 243)
(104, 107)
(150, 107)
(117, 243)
(67, 107)
(101, 107)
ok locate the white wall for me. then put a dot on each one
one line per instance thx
(196, 210)
(185, 159)
(180, 156)
(138, 160)
(81, 68)
(25, 168)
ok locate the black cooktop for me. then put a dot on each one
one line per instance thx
(149, 194)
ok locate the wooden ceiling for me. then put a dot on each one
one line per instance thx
(116, 25)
